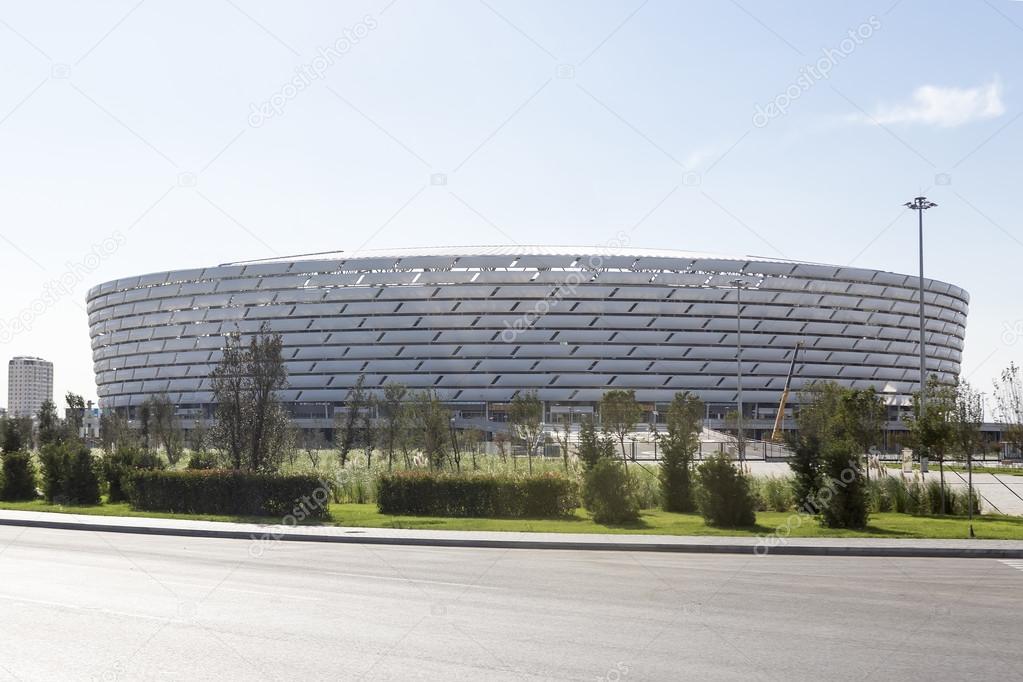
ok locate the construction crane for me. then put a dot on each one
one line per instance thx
(780, 417)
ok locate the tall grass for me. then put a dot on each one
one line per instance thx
(911, 496)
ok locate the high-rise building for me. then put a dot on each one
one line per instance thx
(29, 383)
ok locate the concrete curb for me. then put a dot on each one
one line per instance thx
(789, 548)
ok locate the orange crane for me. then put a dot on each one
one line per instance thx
(776, 433)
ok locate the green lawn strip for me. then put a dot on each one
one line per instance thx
(652, 522)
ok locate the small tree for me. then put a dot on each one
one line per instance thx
(684, 422)
(1009, 405)
(619, 414)
(433, 426)
(724, 495)
(164, 427)
(843, 496)
(563, 435)
(347, 433)
(251, 424)
(609, 493)
(11, 439)
(931, 428)
(526, 417)
(76, 412)
(501, 441)
(18, 482)
(593, 446)
(393, 417)
(49, 423)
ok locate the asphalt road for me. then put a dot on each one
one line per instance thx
(101, 606)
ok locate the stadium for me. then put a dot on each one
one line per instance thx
(478, 325)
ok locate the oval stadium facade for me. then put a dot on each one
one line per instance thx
(478, 325)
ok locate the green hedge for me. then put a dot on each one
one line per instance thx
(216, 491)
(428, 493)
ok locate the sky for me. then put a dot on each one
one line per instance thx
(150, 135)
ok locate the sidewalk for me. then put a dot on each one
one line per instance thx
(259, 534)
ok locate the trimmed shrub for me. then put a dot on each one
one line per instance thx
(217, 491)
(19, 477)
(611, 494)
(119, 465)
(69, 474)
(431, 493)
(724, 495)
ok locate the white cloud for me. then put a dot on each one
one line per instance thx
(944, 107)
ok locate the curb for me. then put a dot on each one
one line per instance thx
(933, 552)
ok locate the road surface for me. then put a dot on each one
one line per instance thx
(80, 605)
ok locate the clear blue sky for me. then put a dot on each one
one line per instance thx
(550, 122)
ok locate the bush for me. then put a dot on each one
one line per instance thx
(676, 477)
(430, 493)
(775, 493)
(610, 493)
(19, 477)
(69, 474)
(724, 495)
(216, 491)
(843, 499)
(119, 465)
(201, 461)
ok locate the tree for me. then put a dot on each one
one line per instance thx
(609, 494)
(432, 424)
(931, 427)
(619, 413)
(164, 426)
(115, 432)
(18, 482)
(251, 424)
(1009, 405)
(843, 497)
(563, 435)
(367, 432)
(471, 440)
(724, 495)
(682, 440)
(393, 414)
(526, 417)
(49, 423)
(76, 412)
(501, 440)
(347, 430)
(967, 417)
(10, 436)
(835, 426)
(312, 442)
(593, 446)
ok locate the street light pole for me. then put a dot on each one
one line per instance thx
(921, 204)
(740, 442)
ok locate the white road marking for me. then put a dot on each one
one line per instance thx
(1013, 563)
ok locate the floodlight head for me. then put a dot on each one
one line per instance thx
(919, 204)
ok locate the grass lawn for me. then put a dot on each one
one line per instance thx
(652, 522)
